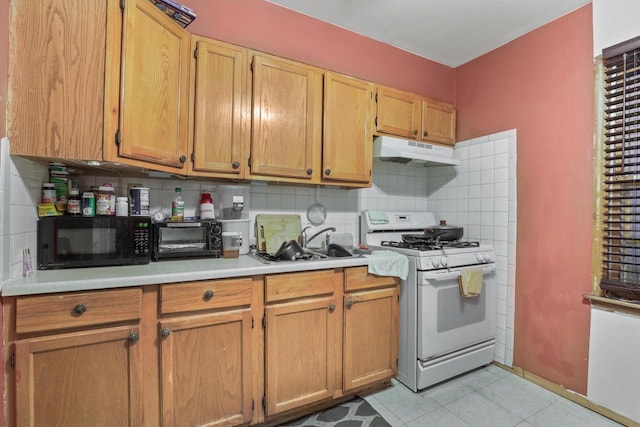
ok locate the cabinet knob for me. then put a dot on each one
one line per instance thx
(327, 171)
(183, 159)
(349, 304)
(309, 171)
(425, 134)
(165, 332)
(79, 309)
(134, 337)
(332, 308)
(415, 132)
(235, 165)
(208, 295)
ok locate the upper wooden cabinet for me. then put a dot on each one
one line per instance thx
(438, 122)
(220, 109)
(287, 117)
(57, 69)
(398, 112)
(155, 89)
(408, 115)
(347, 144)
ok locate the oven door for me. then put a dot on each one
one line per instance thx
(448, 322)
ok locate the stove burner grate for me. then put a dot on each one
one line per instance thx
(421, 243)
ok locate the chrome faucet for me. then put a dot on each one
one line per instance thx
(304, 240)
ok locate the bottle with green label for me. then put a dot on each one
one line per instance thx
(177, 206)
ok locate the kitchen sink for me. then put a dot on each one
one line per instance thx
(333, 251)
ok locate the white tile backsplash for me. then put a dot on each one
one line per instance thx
(486, 208)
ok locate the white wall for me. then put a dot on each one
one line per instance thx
(480, 195)
(614, 21)
(614, 375)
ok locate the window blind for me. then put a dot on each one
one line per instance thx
(621, 230)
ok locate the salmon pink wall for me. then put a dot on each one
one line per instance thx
(542, 85)
(266, 27)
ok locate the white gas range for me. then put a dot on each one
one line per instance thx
(442, 334)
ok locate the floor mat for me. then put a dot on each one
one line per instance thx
(354, 413)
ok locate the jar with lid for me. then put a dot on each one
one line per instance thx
(48, 192)
(74, 203)
(105, 200)
(122, 206)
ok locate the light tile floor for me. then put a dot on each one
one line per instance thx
(489, 396)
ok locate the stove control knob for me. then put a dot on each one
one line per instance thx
(444, 261)
(435, 262)
(487, 256)
(479, 257)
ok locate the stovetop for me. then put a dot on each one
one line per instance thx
(404, 233)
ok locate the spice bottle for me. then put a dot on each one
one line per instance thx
(177, 206)
(74, 203)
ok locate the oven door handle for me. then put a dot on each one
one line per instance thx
(453, 274)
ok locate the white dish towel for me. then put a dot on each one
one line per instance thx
(388, 263)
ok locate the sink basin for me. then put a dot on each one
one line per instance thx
(333, 251)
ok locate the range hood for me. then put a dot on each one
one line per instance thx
(414, 153)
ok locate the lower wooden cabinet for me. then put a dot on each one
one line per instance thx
(219, 352)
(86, 378)
(205, 369)
(370, 350)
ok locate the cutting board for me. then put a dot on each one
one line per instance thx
(273, 229)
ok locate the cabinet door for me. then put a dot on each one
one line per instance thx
(206, 369)
(370, 337)
(287, 115)
(57, 77)
(219, 136)
(154, 109)
(438, 122)
(88, 378)
(346, 151)
(398, 113)
(301, 359)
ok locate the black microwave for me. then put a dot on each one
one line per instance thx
(70, 242)
(191, 238)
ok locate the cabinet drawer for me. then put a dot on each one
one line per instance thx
(296, 285)
(209, 294)
(77, 309)
(357, 278)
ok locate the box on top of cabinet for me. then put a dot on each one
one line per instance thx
(179, 13)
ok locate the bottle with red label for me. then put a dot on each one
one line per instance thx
(206, 206)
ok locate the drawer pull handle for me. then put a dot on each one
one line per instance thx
(235, 165)
(80, 308)
(134, 337)
(309, 171)
(208, 295)
(349, 304)
(165, 332)
(332, 308)
(327, 171)
(415, 132)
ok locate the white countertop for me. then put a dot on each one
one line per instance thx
(80, 279)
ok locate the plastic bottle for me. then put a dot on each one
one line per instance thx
(48, 193)
(122, 206)
(177, 207)
(27, 267)
(206, 206)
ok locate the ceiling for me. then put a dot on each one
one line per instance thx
(450, 32)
